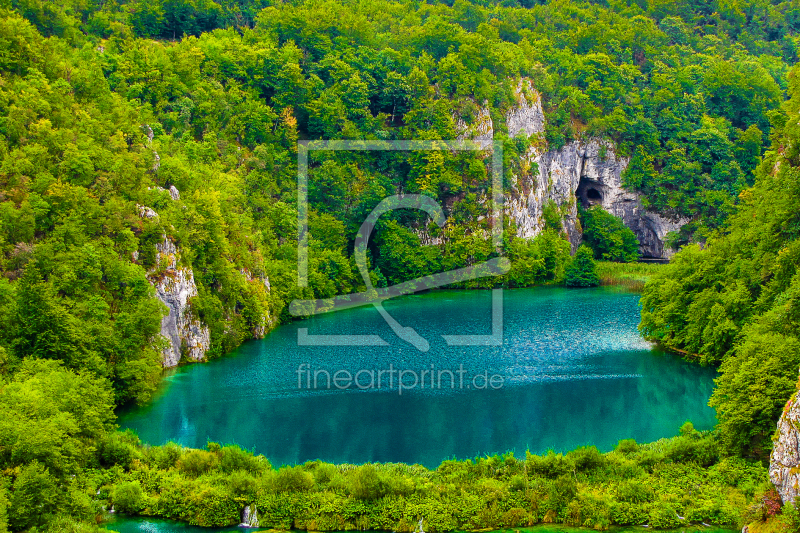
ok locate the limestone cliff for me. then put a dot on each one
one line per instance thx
(175, 287)
(587, 171)
(784, 464)
(187, 336)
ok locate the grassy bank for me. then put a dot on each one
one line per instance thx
(631, 275)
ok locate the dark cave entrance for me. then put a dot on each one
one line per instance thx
(589, 193)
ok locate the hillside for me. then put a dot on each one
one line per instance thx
(148, 189)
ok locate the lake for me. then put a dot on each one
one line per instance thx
(572, 370)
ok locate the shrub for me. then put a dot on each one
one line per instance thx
(608, 236)
(233, 458)
(551, 465)
(323, 472)
(690, 450)
(164, 457)
(587, 458)
(627, 446)
(663, 516)
(127, 497)
(117, 449)
(634, 492)
(212, 507)
(241, 484)
(198, 462)
(34, 497)
(293, 479)
(582, 271)
(3, 510)
(365, 483)
(628, 514)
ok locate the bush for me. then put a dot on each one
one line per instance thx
(233, 458)
(127, 497)
(365, 484)
(634, 492)
(627, 446)
(293, 479)
(198, 462)
(609, 238)
(164, 457)
(587, 458)
(117, 449)
(582, 271)
(663, 516)
(551, 465)
(3, 510)
(34, 497)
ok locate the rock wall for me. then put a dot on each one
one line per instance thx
(586, 171)
(175, 287)
(784, 464)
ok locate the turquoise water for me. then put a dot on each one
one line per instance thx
(574, 372)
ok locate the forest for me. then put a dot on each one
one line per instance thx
(107, 106)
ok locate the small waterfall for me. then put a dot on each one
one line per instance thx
(419, 527)
(249, 517)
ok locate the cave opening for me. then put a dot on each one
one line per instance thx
(589, 193)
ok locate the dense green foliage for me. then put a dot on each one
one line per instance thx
(737, 300)
(582, 272)
(608, 237)
(98, 119)
(632, 485)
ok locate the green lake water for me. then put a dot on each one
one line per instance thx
(574, 372)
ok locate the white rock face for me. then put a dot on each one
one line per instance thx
(146, 212)
(527, 117)
(784, 464)
(175, 287)
(481, 129)
(586, 171)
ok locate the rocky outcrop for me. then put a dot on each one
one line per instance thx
(584, 171)
(784, 464)
(480, 129)
(527, 117)
(175, 287)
